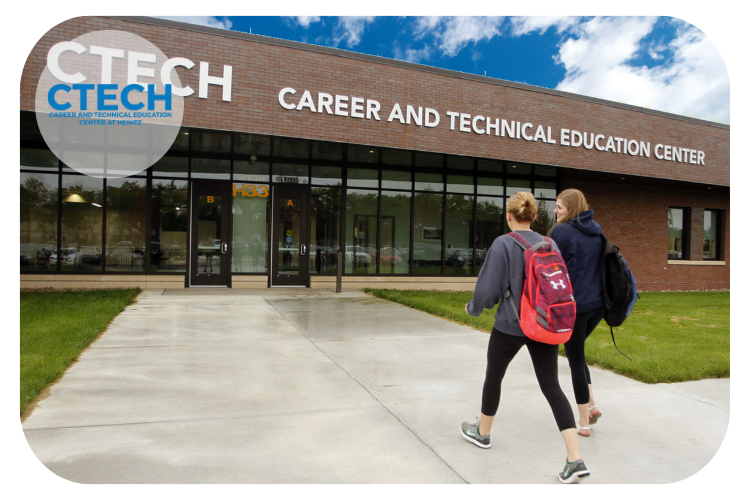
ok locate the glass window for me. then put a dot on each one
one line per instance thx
(395, 221)
(126, 225)
(250, 228)
(544, 171)
(429, 160)
(252, 145)
(492, 186)
(461, 163)
(39, 159)
(182, 141)
(38, 222)
(30, 127)
(288, 173)
(81, 223)
(251, 171)
(515, 168)
(205, 141)
(492, 166)
(361, 231)
(458, 230)
(516, 185)
(460, 184)
(171, 166)
(490, 217)
(396, 157)
(428, 233)
(677, 245)
(209, 168)
(545, 218)
(543, 189)
(326, 176)
(169, 223)
(325, 230)
(362, 177)
(291, 148)
(365, 154)
(428, 182)
(396, 179)
(327, 150)
(711, 250)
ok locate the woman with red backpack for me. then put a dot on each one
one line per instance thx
(503, 270)
(579, 239)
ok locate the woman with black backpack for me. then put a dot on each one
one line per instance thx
(579, 239)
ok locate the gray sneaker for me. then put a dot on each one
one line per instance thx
(573, 472)
(470, 432)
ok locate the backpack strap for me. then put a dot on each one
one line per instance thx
(509, 295)
(612, 332)
(520, 240)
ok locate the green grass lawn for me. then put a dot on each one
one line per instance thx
(56, 327)
(670, 336)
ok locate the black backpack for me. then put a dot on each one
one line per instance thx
(617, 286)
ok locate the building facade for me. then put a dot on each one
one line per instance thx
(293, 153)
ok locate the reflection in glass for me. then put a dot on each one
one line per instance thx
(460, 184)
(126, 221)
(395, 221)
(327, 150)
(710, 235)
(676, 219)
(209, 168)
(38, 222)
(428, 233)
(363, 154)
(326, 176)
(39, 159)
(518, 168)
(290, 148)
(490, 218)
(205, 141)
(250, 228)
(428, 182)
(396, 179)
(545, 190)
(396, 157)
(516, 185)
(325, 234)
(494, 166)
(251, 171)
(288, 173)
(545, 218)
(81, 223)
(492, 186)
(171, 166)
(459, 227)
(169, 221)
(361, 231)
(461, 163)
(432, 160)
(252, 145)
(362, 177)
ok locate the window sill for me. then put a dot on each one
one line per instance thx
(697, 262)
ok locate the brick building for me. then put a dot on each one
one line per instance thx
(403, 168)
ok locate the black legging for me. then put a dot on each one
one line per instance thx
(575, 351)
(501, 350)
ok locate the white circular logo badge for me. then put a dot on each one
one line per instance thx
(107, 103)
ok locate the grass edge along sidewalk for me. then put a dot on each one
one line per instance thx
(56, 326)
(670, 336)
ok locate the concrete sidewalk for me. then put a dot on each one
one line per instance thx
(309, 386)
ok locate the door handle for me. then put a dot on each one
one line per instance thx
(224, 247)
(304, 250)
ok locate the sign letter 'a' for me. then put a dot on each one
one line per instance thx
(290, 204)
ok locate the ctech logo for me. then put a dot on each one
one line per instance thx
(110, 103)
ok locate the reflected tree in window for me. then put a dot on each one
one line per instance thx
(38, 222)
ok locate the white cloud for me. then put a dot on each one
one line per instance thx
(350, 28)
(305, 21)
(694, 82)
(523, 25)
(455, 33)
(411, 55)
(211, 22)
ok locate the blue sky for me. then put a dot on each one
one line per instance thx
(661, 63)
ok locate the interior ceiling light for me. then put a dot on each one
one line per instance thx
(75, 198)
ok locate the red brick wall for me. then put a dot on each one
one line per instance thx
(635, 219)
(261, 70)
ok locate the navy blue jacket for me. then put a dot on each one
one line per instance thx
(581, 247)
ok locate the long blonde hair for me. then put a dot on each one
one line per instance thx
(523, 206)
(574, 201)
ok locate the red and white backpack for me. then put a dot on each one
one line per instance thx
(548, 309)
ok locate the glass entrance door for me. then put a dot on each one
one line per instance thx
(210, 255)
(291, 241)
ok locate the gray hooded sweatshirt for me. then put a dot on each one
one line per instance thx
(503, 269)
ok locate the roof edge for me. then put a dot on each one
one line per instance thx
(402, 64)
